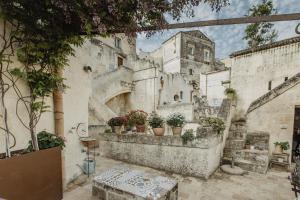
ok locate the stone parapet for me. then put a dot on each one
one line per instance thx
(199, 158)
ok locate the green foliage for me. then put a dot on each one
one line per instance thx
(216, 123)
(230, 93)
(261, 33)
(138, 117)
(117, 121)
(108, 130)
(284, 145)
(176, 120)
(187, 136)
(47, 140)
(156, 121)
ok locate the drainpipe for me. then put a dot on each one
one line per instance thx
(59, 119)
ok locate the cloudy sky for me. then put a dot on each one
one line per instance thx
(227, 38)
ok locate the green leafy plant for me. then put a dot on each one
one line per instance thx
(216, 123)
(187, 136)
(284, 145)
(108, 130)
(117, 121)
(155, 121)
(47, 140)
(261, 33)
(176, 120)
(138, 117)
(230, 92)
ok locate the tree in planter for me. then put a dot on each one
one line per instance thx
(261, 33)
(48, 31)
(47, 140)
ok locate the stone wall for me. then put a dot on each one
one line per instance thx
(199, 158)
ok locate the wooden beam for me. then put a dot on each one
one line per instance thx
(231, 21)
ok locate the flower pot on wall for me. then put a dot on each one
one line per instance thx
(177, 130)
(32, 176)
(140, 128)
(159, 131)
(278, 149)
(118, 129)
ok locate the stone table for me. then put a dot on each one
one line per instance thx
(122, 183)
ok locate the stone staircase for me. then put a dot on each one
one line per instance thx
(255, 160)
(105, 87)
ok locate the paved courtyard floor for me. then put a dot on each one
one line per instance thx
(272, 186)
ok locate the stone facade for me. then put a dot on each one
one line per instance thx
(198, 158)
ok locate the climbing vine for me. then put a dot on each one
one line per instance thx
(43, 35)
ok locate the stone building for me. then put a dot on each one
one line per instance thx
(266, 81)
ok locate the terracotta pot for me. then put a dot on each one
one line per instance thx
(176, 130)
(159, 131)
(278, 149)
(140, 128)
(118, 129)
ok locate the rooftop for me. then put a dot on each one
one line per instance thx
(266, 46)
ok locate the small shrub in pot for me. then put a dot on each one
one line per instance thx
(157, 124)
(116, 124)
(187, 136)
(176, 121)
(47, 140)
(138, 118)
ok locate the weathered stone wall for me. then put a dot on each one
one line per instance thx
(252, 72)
(199, 158)
(276, 117)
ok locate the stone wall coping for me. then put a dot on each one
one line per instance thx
(174, 105)
(255, 151)
(167, 140)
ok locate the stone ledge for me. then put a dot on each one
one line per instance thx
(167, 140)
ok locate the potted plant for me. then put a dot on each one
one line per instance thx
(247, 144)
(216, 123)
(230, 93)
(157, 124)
(280, 146)
(138, 118)
(187, 136)
(116, 124)
(176, 121)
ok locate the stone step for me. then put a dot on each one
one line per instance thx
(237, 134)
(235, 144)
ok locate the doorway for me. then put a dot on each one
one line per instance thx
(296, 134)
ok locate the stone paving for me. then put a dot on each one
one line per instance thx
(272, 186)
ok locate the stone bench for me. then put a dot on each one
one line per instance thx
(122, 183)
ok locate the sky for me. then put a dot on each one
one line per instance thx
(229, 38)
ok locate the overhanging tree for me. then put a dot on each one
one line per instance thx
(261, 33)
(48, 31)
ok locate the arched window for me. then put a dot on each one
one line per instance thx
(176, 97)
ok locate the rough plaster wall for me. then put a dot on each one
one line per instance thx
(120, 104)
(276, 117)
(75, 111)
(173, 85)
(212, 83)
(252, 72)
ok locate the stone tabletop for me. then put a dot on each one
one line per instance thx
(137, 183)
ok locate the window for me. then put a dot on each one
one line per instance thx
(176, 97)
(120, 62)
(190, 49)
(270, 85)
(181, 95)
(191, 71)
(286, 78)
(118, 42)
(206, 55)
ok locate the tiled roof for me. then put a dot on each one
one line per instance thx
(266, 46)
